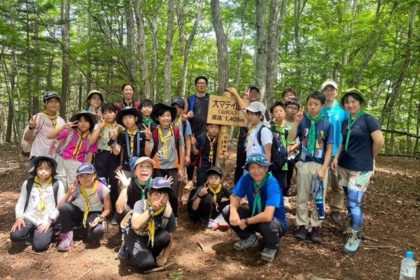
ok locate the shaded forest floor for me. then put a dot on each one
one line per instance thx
(391, 224)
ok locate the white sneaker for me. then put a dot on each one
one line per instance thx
(286, 203)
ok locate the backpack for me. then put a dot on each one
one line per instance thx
(26, 146)
(29, 186)
(278, 150)
(120, 106)
(100, 192)
(175, 130)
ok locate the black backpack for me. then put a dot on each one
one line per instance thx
(278, 150)
(29, 186)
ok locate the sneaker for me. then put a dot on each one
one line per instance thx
(336, 217)
(268, 254)
(123, 253)
(353, 242)
(301, 233)
(316, 234)
(212, 224)
(286, 203)
(250, 242)
(66, 241)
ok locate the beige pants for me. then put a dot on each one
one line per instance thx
(305, 172)
(337, 193)
(66, 170)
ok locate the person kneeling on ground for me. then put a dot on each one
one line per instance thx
(267, 215)
(148, 240)
(206, 202)
(87, 202)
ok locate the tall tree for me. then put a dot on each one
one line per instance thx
(167, 73)
(261, 45)
(65, 70)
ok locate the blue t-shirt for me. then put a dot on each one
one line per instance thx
(359, 155)
(324, 136)
(336, 116)
(270, 195)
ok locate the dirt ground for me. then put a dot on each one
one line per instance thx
(391, 226)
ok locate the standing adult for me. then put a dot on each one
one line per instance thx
(336, 116)
(128, 98)
(362, 141)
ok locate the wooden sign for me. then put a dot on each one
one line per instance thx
(224, 110)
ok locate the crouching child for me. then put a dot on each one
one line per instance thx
(265, 214)
(148, 238)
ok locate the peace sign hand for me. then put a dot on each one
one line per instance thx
(101, 122)
(148, 132)
(113, 133)
(299, 115)
(158, 204)
(32, 122)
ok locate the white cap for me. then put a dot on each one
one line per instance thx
(329, 83)
(256, 107)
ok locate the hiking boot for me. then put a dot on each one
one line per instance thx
(250, 242)
(316, 234)
(268, 255)
(353, 242)
(66, 241)
(301, 233)
(336, 217)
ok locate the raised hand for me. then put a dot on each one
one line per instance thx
(148, 132)
(120, 175)
(158, 204)
(101, 122)
(113, 133)
(32, 122)
(299, 115)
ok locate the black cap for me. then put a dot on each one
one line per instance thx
(32, 171)
(51, 94)
(214, 170)
(91, 118)
(178, 101)
(161, 108)
(255, 87)
(128, 111)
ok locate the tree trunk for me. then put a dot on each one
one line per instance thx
(298, 10)
(131, 63)
(29, 63)
(36, 79)
(261, 46)
(89, 50)
(222, 48)
(167, 73)
(65, 71)
(241, 50)
(155, 44)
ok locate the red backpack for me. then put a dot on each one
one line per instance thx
(175, 130)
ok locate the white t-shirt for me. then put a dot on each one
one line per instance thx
(96, 204)
(252, 145)
(41, 144)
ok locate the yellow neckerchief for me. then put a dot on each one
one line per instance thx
(87, 198)
(53, 119)
(165, 140)
(215, 192)
(110, 126)
(132, 136)
(251, 129)
(211, 141)
(79, 143)
(178, 122)
(41, 188)
(151, 226)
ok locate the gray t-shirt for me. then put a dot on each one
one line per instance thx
(140, 208)
(168, 159)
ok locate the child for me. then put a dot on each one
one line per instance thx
(87, 202)
(131, 143)
(205, 147)
(128, 98)
(288, 94)
(42, 123)
(168, 151)
(146, 108)
(73, 147)
(149, 239)
(105, 161)
(94, 101)
(316, 136)
(206, 202)
(36, 210)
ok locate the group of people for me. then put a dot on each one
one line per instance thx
(130, 162)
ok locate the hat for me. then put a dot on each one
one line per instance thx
(144, 159)
(128, 111)
(258, 158)
(51, 94)
(353, 91)
(255, 87)
(36, 160)
(160, 183)
(161, 108)
(256, 107)
(91, 118)
(95, 91)
(85, 168)
(214, 170)
(329, 83)
(178, 101)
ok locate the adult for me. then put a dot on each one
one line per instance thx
(336, 116)
(128, 98)
(362, 141)
(94, 101)
(288, 94)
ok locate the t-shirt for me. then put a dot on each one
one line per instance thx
(359, 156)
(270, 195)
(124, 140)
(184, 127)
(170, 159)
(96, 204)
(324, 136)
(41, 144)
(336, 116)
(200, 110)
(69, 151)
(252, 145)
(222, 199)
(203, 147)
(134, 194)
(104, 136)
(140, 208)
(243, 131)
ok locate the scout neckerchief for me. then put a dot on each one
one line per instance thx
(143, 188)
(178, 122)
(109, 126)
(79, 144)
(211, 142)
(41, 187)
(312, 132)
(164, 140)
(147, 121)
(257, 206)
(87, 198)
(152, 227)
(280, 130)
(350, 125)
(215, 192)
(53, 118)
(130, 146)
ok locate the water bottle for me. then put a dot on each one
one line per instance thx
(319, 202)
(408, 267)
